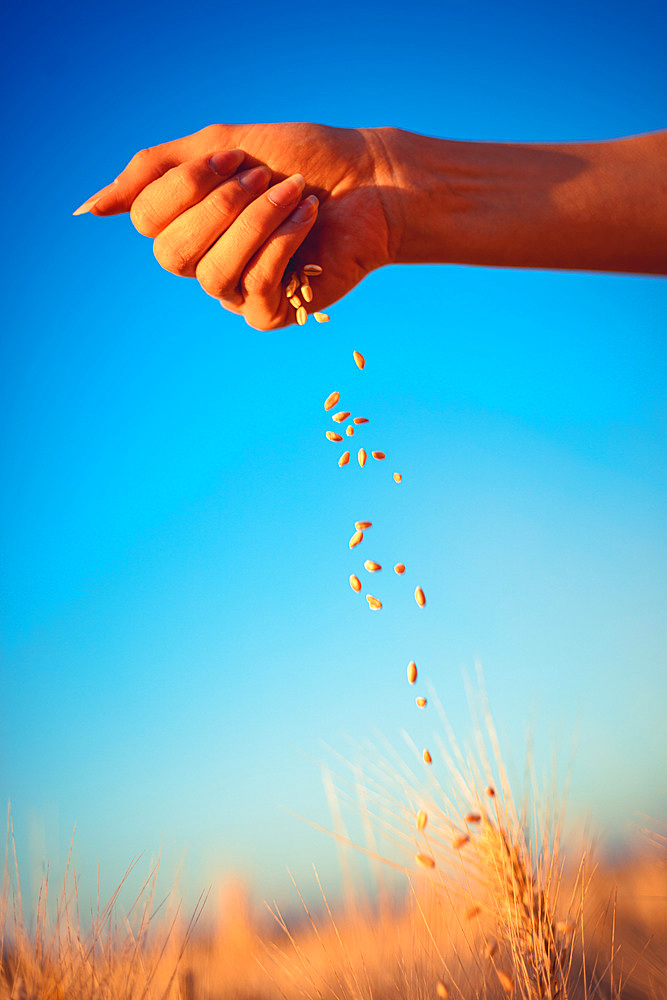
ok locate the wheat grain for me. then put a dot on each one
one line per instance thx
(332, 436)
(355, 583)
(344, 459)
(399, 568)
(331, 400)
(321, 317)
(340, 416)
(357, 537)
(372, 567)
(379, 455)
(427, 757)
(359, 359)
(373, 603)
(419, 597)
(362, 457)
(420, 702)
(412, 671)
(491, 948)
(422, 820)
(505, 981)
(425, 860)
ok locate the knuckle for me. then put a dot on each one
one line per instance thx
(249, 230)
(264, 323)
(257, 281)
(140, 158)
(214, 281)
(143, 216)
(170, 257)
(220, 203)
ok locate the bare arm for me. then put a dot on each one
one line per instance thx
(583, 206)
(353, 200)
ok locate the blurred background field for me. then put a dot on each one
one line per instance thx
(181, 650)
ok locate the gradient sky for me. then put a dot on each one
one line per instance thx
(179, 641)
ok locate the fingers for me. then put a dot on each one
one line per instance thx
(266, 306)
(219, 271)
(176, 191)
(149, 164)
(181, 245)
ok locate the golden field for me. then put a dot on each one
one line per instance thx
(494, 903)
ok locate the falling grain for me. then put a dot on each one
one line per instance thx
(332, 436)
(491, 792)
(422, 820)
(373, 603)
(419, 597)
(355, 583)
(397, 477)
(363, 525)
(473, 912)
(379, 455)
(473, 818)
(360, 420)
(357, 537)
(321, 317)
(460, 841)
(399, 568)
(344, 459)
(412, 671)
(442, 990)
(362, 457)
(341, 416)
(331, 400)
(421, 702)
(372, 567)
(427, 757)
(359, 359)
(491, 948)
(425, 860)
(505, 981)
(349, 430)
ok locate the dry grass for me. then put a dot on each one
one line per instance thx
(492, 909)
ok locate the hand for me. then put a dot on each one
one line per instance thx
(241, 224)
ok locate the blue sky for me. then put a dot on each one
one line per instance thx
(179, 640)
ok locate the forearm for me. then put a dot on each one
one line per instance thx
(586, 206)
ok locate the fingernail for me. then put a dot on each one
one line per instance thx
(305, 209)
(226, 163)
(87, 205)
(255, 180)
(286, 193)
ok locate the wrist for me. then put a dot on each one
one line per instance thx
(425, 190)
